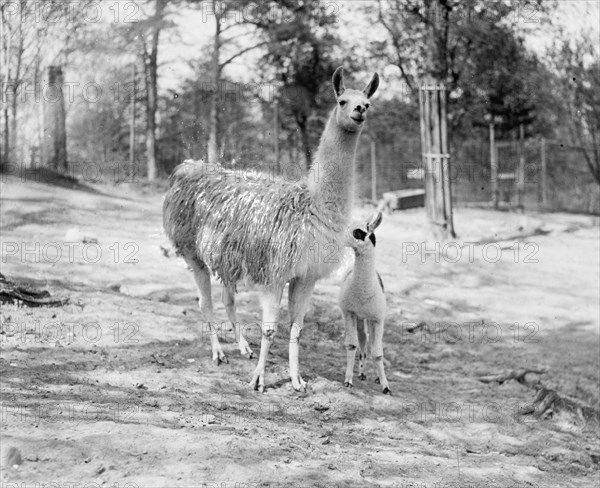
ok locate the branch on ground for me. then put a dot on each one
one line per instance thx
(12, 293)
(518, 375)
(547, 401)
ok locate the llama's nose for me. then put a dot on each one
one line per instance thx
(360, 109)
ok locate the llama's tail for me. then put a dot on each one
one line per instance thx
(179, 216)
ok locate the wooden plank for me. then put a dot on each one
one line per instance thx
(521, 167)
(436, 162)
(493, 165)
(446, 181)
(373, 172)
(544, 181)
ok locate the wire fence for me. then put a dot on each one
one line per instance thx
(554, 175)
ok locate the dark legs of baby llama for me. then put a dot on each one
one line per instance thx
(357, 331)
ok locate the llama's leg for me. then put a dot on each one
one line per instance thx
(299, 293)
(229, 302)
(362, 344)
(351, 341)
(202, 279)
(270, 307)
(376, 329)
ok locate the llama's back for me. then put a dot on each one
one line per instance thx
(242, 229)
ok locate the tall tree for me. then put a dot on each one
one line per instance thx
(226, 47)
(578, 67)
(451, 42)
(301, 46)
(154, 24)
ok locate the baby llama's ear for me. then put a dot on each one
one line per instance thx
(371, 226)
(338, 82)
(371, 88)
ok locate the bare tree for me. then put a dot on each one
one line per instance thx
(13, 41)
(149, 47)
(224, 23)
(579, 69)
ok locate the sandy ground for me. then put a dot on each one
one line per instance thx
(117, 388)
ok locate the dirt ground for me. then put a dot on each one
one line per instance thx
(117, 387)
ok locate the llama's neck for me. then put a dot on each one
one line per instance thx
(331, 177)
(365, 274)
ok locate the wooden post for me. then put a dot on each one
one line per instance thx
(55, 134)
(276, 130)
(132, 121)
(444, 150)
(493, 165)
(543, 175)
(373, 172)
(521, 168)
(436, 165)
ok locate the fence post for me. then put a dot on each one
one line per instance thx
(521, 168)
(276, 132)
(493, 165)
(132, 121)
(373, 172)
(544, 181)
(434, 147)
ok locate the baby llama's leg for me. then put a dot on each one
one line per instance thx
(350, 323)
(376, 329)
(229, 302)
(202, 279)
(362, 343)
(270, 307)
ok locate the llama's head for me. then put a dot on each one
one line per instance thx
(362, 237)
(352, 105)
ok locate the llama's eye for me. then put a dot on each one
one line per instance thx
(342, 103)
(359, 234)
(367, 105)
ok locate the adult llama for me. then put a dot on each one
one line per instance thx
(265, 231)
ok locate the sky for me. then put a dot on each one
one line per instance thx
(197, 27)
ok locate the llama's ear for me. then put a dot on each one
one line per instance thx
(338, 82)
(371, 88)
(371, 226)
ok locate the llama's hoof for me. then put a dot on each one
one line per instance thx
(257, 382)
(221, 358)
(246, 351)
(348, 384)
(387, 391)
(362, 376)
(377, 380)
(299, 384)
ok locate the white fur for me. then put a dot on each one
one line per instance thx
(362, 300)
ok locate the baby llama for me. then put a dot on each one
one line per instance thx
(362, 301)
(264, 231)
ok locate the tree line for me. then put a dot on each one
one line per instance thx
(114, 57)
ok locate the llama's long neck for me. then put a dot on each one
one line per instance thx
(364, 276)
(331, 178)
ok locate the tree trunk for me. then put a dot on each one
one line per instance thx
(212, 155)
(55, 134)
(150, 68)
(6, 48)
(303, 126)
